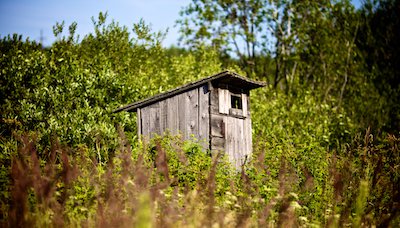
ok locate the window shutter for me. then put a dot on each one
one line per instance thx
(224, 101)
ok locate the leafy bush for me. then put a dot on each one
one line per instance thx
(67, 160)
(181, 185)
(70, 89)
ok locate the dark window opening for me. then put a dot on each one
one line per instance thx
(236, 101)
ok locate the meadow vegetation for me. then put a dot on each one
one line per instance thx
(325, 129)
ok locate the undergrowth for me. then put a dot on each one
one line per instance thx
(171, 183)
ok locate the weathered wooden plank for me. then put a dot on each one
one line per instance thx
(192, 104)
(248, 104)
(237, 138)
(214, 97)
(214, 109)
(227, 101)
(139, 123)
(173, 115)
(204, 116)
(163, 116)
(224, 102)
(182, 115)
(238, 113)
(230, 141)
(154, 124)
(218, 125)
(217, 144)
(236, 142)
(240, 141)
(244, 104)
(145, 114)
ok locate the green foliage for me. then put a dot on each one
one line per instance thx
(301, 132)
(325, 47)
(361, 203)
(231, 27)
(180, 184)
(377, 40)
(70, 89)
(66, 160)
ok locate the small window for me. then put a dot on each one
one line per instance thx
(236, 101)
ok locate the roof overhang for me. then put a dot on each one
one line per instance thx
(225, 77)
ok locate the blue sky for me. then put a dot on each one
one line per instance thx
(30, 17)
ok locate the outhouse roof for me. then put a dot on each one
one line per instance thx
(225, 77)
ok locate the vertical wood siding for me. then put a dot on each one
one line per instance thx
(230, 128)
(224, 100)
(145, 115)
(154, 119)
(204, 116)
(163, 110)
(139, 122)
(189, 114)
(244, 104)
(237, 139)
(172, 115)
(186, 114)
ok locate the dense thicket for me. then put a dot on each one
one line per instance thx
(377, 39)
(344, 56)
(322, 152)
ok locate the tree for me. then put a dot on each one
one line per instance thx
(378, 41)
(233, 27)
(300, 36)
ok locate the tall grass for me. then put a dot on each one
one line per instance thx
(170, 183)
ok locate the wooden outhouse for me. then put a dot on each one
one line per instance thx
(215, 110)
